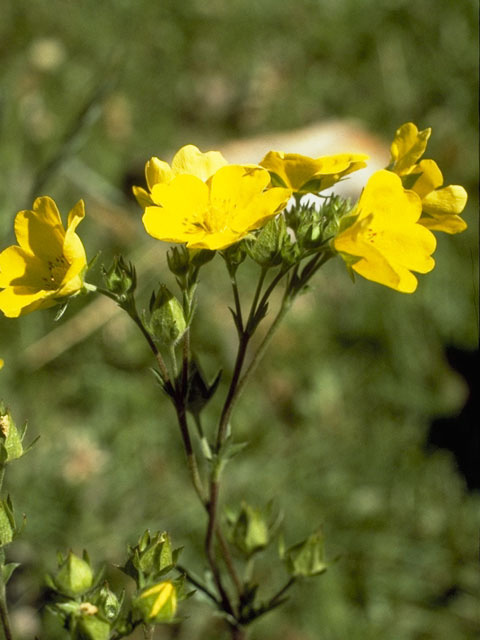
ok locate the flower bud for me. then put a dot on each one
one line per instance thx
(74, 576)
(167, 321)
(157, 603)
(108, 604)
(306, 558)
(91, 627)
(250, 530)
(178, 259)
(10, 439)
(121, 278)
(266, 250)
(150, 558)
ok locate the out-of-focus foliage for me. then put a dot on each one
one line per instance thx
(337, 416)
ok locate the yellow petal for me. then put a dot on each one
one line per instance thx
(40, 230)
(73, 249)
(234, 186)
(182, 214)
(18, 301)
(18, 266)
(408, 146)
(157, 171)
(143, 197)
(262, 208)
(296, 171)
(191, 160)
(431, 177)
(441, 209)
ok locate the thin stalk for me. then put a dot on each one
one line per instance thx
(148, 631)
(4, 619)
(196, 583)
(136, 318)
(238, 305)
(189, 452)
(209, 551)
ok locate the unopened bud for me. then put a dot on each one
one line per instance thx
(167, 321)
(157, 603)
(10, 439)
(74, 576)
(306, 558)
(121, 278)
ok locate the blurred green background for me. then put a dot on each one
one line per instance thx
(337, 417)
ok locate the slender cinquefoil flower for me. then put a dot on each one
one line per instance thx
(188, 160)
(441, 206)
(213, 214)
(48, 263)
(385, 241)
(310, 175)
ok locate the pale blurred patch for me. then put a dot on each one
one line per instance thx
(83, 459)
(46, 54)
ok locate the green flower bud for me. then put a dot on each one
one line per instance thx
(178, 259)
(250, 530)
(157, 603)
(266, 250)
(10, 439)
(234, 256)
(74, 576)
(199, 257)
(121, 278)
(90, 626)
(150, 558)
(108, 604)
(167, 321)
(306, 558)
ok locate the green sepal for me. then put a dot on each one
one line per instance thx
(7, 570)
(167, 322)
(91, 627)
(74, 576)
(199, 391)
(306, 558)
(266, 249)
(8, 529)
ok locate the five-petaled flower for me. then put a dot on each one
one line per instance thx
(385, 241)
(48, 263)
(310, 175)
(213, 214)
(441, 206)
(188, 160)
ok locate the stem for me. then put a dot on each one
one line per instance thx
(196, 583)
(238, 306)
(4, 619)
(238, 633)
(132, 312)
(148, 630)
(209, 551)
(191, 458)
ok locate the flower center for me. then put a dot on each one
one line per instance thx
(57, 269)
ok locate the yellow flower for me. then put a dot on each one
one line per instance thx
(213, 214)
(188, 160)
(49, 262)
(440, 206)
(311, 175)
(159, 601)
(385, 236)
(1, 363)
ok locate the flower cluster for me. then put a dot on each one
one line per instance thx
(203, 202)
